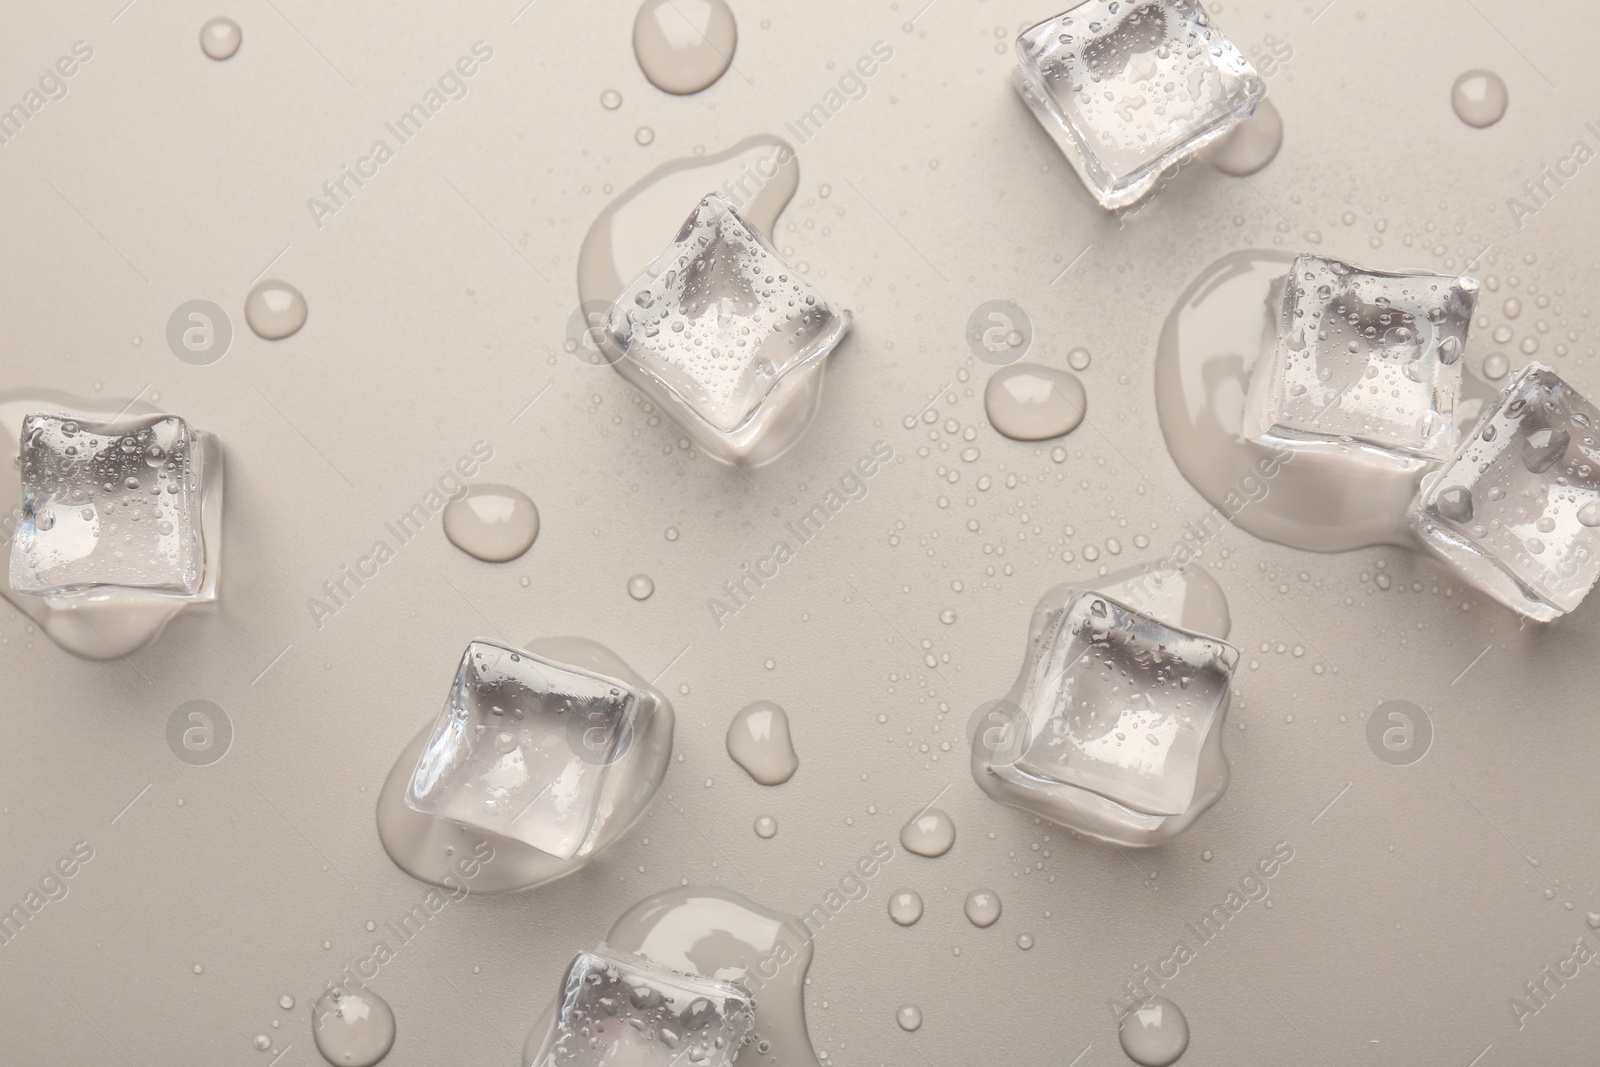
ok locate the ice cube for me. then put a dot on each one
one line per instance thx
(1128, 89)
(623, 1010)
(1120, 704)
(727, 335)
(1515, 508)
(1364, 357)
(110, 505)
(523, 747)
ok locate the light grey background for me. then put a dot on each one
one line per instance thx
(1416, 904)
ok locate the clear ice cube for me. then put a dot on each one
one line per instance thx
(1515, 509)
(721, 325)
(1364, 357)
(622, 1010)
(523, 747)
(110, 505)
(1128, 89)
(1120, 704)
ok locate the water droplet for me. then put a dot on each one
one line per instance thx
(1455, 504)
(982, 907)
(494, 523)
(275, 309)
(909, 1016)
(1480, 98)
(286, 1002)
(1029, 402)
(220, 38)
(1496, 366)
(262, 1042)
(1249, 146)
(1589, 514)
(352, 1029)
(671, 533)
(198, 969)
(611, 100)
(640, 586)
(758, 741)
(1024, 941)
(644, 135)
(905, 907)
(930, 834)
(684, 48)
(766, 826)
(1155, 1033)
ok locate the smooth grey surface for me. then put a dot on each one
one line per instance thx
(439, 297)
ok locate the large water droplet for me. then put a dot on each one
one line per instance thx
(352, 1029)
(909, 1016)
(1480, 98)
(1155, 1033)
(220, 38)
(758, 741)
(1541, 449)
(683, 46)
(1455, 504)
(494, 523)
(1029, 402)
(930, 834)
(905, 907)
(983, 907)
(275, 310)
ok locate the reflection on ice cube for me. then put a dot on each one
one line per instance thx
(1364, 357)
(1127, 89)
(1515, 509)
(523, 747)
(111, 505)
(619, 1009)
(1119, 717)
(727, 336)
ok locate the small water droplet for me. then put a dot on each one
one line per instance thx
(982, 908)
(931, 834)
(905, 907)
(275, 310)
(909, 1016)
(1480, 98)
(640, 586)
(220, 39)
(766, 826)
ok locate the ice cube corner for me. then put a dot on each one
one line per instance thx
(110, 505)
(523, 747)
(1516, 506)
(1120, 704)
(727, 335)
(1129, 88)
(619, 1008)
(1364, 357)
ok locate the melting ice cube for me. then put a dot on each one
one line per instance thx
(1366, 357)
(523, 747)
(1516, 507)
(623, 1010)
(1129, 88)
(727, 336)
(110, 505)
(1120, 704)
